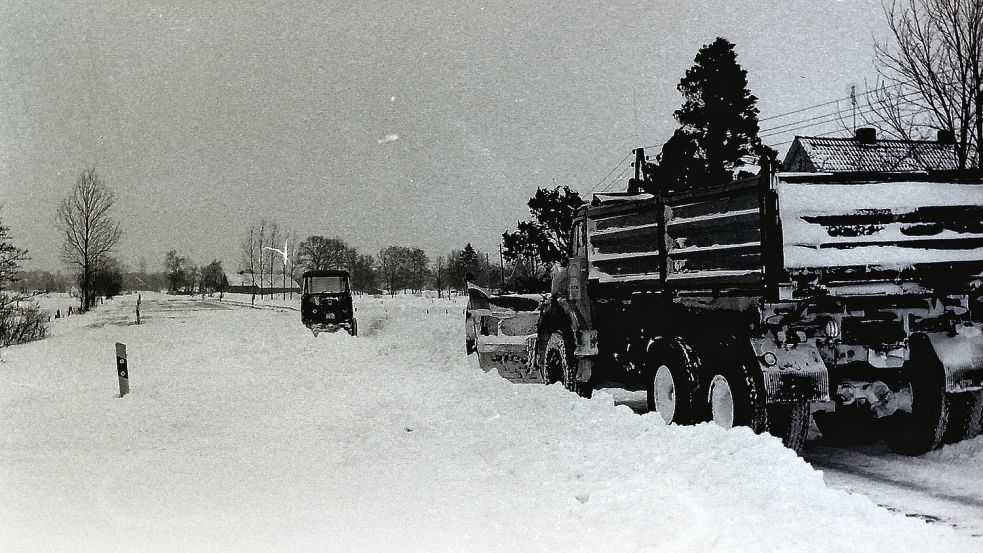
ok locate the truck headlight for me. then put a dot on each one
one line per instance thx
(768, 359)
(831, 329)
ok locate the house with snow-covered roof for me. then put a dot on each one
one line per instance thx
(865, 152)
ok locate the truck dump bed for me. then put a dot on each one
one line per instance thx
(751, 237)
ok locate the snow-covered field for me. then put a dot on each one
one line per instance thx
(243, 432)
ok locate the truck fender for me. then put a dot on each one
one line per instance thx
(791, 373)
(961, 355)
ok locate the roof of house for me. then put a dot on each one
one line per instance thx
(326, 272)
(832, 155)
(245, 278)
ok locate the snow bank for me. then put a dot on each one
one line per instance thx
(243, 432)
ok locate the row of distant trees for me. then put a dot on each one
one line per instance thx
(393, 269)
(184, 276)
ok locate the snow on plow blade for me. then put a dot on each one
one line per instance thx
(501, 329)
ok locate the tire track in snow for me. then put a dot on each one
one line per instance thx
(894, 484)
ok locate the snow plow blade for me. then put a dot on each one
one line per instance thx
(501, 330)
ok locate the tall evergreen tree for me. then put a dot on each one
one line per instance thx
(718, 123)
(468, 260)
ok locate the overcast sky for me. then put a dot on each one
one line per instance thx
(205, 117)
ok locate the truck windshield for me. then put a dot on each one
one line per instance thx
(326, 284)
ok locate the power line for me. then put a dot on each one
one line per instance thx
(831, 102)
(834, 131)
(611, 172)
(623, 174)
(830, 114)
(806, 125)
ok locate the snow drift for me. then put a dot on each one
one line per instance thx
(242, 432)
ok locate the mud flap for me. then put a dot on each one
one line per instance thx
(793, 373)
(584, 353)
(961, 355)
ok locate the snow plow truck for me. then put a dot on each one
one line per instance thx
(854, 297)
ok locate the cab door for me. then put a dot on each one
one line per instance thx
(577, 271)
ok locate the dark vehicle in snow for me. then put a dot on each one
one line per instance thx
(760, 302)
(326, 302)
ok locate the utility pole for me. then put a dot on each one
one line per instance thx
(487, 271)
(634, 185)
(501, 273)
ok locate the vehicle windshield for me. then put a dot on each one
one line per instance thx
(326, 285)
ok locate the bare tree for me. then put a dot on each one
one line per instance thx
(318, 253)
(248, 263)
(294, 260)
(274, 262)
(89, 230)
(260, 258)
(931, 74)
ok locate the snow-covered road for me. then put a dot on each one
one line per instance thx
(944, 487)
(243, 432)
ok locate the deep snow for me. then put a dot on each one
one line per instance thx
(243, 432)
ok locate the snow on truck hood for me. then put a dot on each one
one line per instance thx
(242, 432)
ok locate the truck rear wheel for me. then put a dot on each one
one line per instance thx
(674, 390)
(923, 428)
(560, 365)
(736, 398)
(790, 422)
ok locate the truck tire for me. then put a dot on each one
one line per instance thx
(560, 365)
(965, 417)
(736, 397)
(847, 425)
(790, 423)
(674, 390)
(923, 429)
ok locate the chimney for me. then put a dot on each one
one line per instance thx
(946, 136)
(866, 135)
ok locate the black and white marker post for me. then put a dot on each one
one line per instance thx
(122, 370)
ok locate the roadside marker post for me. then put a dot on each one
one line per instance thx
(121, 369)
(138, 308)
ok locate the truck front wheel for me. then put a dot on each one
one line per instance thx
(736, 399)
(559, 363)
